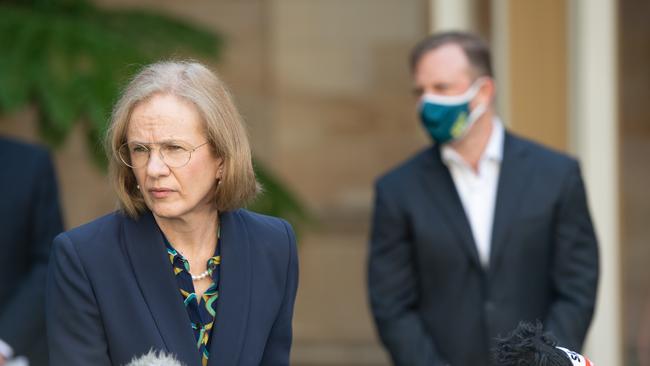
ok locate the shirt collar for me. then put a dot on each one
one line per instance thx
(493, 150)
(181, 264)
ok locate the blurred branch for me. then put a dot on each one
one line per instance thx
(278, 201)
(69, 59)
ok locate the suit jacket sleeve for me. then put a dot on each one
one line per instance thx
(74, 328)
(24, 315)
(575, 270)
(393, 288)
(278, 346)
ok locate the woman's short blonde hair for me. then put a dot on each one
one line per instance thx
(223, 124)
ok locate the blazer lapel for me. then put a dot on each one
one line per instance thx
(513, 179)
(145, 248)
(233, 304)
(440, 185)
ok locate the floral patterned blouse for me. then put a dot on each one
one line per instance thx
(201, 310)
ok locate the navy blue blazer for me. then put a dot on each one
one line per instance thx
(112, 295)
(433, 301)
(30, 217)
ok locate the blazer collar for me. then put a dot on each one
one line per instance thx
(439, 184)
(516, 171)
(514, 174)
(146, 251)
(233, 305)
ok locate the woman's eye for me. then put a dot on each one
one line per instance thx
(139, 149)
(174, 148)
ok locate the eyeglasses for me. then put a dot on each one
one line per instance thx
(173, 153)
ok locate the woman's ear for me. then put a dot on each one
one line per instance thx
(220, 165)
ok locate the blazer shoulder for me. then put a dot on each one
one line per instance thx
(541, 154)
(94, 234)
(16, 146)
(18, 156)
(272, 237)
(264, 225)
(408, 168)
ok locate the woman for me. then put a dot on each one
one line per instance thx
(180, 268)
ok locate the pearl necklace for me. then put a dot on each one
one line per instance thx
(201, 276)
(208, 271)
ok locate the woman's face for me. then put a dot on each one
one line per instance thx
(166, 121)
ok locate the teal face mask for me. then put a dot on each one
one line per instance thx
(447, 118)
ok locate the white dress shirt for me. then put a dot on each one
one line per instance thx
(5, 350)
(478, 190)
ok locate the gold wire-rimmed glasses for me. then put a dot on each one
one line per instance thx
(174, 154)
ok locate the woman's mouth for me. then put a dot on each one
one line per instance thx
(160, 192)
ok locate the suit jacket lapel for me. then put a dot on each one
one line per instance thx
(440, 185)
(513, 179)
(146, 250)
(233, 304)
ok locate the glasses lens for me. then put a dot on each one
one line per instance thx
(175, 154)
(134, 155)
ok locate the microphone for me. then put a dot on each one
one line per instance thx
(155, 358)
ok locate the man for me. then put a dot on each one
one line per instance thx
(480, 231)
(29, 219)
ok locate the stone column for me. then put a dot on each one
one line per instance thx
(593, 78)
(451, 15)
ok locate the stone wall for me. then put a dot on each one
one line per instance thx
(635, 177)
(325, 90)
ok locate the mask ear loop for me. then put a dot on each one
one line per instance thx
(479, 110)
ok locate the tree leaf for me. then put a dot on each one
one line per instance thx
(70, 58)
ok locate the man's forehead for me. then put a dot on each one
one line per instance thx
(445, 61)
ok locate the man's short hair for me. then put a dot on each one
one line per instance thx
(474, 47)
(528, 345)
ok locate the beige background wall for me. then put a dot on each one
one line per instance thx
(342, 114)
(324, 87)
(635, 177)
(538, 70)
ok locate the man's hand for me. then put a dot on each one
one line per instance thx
(3, 360)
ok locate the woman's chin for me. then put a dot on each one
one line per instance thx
(165, 211)
(176, 210)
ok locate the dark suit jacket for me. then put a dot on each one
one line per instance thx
(30, 217)
(434, 303)
(112, 295)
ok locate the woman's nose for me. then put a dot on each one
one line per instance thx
(156, 166)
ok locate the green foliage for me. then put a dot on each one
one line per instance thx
(277, 201)
(69, 59)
